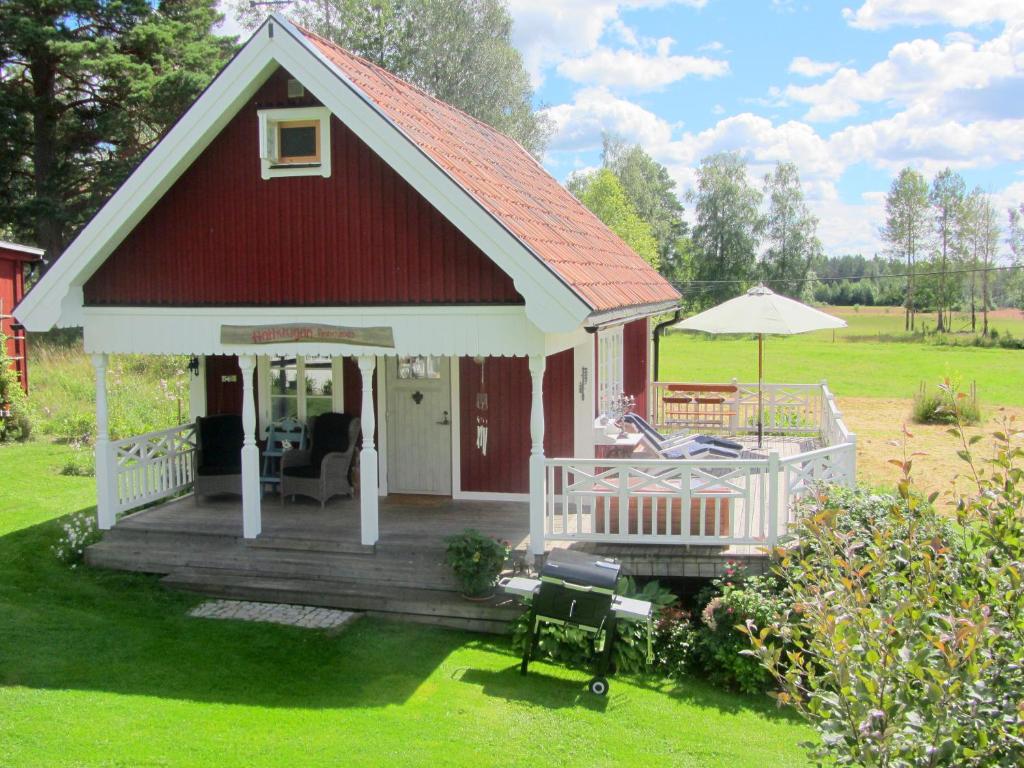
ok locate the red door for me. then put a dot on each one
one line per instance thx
(223, 385)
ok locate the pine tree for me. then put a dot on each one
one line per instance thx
(87, 87)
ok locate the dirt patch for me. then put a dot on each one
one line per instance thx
(877, 422)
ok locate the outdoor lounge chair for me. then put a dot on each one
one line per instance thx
(322, 470)
(218, 455)
(685, 446)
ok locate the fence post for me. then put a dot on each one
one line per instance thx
(734, 419)
(773, 499)
(851, 467)
(106, 466)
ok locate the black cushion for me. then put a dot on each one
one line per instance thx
(330, 435)
(219, 443)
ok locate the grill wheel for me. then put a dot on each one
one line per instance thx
(598, 686)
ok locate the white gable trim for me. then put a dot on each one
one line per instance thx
(551, 305)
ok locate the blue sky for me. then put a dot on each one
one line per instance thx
(851, 92)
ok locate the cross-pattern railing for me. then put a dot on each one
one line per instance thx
(152, 466)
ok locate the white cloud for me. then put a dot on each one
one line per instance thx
(718, 109)
(639, 71)
(881, 14)
(801, 65)
(712, 47)
(230, 25)
(578, 125)
(548, 32)
(921, 71)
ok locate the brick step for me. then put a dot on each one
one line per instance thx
(438, 607)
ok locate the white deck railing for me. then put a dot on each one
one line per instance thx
(720, 502)
(152, 466)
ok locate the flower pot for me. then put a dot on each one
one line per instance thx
(479, 597)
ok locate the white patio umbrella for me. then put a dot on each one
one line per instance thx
(760, 311)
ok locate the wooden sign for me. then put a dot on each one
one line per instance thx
(306, 333)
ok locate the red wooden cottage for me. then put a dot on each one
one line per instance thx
(312, 218)
(14, 258)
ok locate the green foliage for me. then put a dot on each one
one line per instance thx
(476, 559)
(77, 532)
(735, 602)
(460, 51)
(790, 232)
(88, 88)
(15, 412)
(603, 194)
(904, 640)
(575, 648)
(675, 643)
(931, 406)
(728, 226)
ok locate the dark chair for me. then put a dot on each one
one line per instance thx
(218, 467)
(322, 471)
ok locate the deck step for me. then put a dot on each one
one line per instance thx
(438, 607)
(288, 543)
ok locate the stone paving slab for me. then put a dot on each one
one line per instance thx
(306, 616)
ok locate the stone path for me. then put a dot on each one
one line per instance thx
(275, 613)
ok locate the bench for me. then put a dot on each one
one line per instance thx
(697, 405)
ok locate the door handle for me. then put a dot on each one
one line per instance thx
(445, 421)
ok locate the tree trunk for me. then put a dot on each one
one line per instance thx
(49, 233)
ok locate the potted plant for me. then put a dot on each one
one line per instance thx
(476, 560)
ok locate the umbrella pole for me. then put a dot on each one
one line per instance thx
(760, 383)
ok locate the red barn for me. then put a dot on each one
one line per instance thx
(14, 258)
(323, 237)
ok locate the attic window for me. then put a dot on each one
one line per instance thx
(295, 142)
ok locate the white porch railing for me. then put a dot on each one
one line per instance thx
(152, 466)
(788, 409)
(720, 502)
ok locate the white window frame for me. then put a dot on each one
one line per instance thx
(609, 367)
(263, 372)
(269, 119)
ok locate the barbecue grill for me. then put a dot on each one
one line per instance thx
(578, 589)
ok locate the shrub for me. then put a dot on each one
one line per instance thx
(15, 414)
(904, 640)
(733, 604)
(575, 647)
(477, 560)
(81, 461)
(675, 643)
(931, 406)
(78, 532)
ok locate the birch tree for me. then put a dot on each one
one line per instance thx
(947, 199)
(790, 232)
(728, 227)
(907, 224)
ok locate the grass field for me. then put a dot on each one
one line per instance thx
(105, 669)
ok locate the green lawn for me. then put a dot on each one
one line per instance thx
(104, 669)
(853, 369)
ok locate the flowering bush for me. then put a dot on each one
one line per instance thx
(675, 642)
(15, 416)
(734, 602)
(77, 533)
(477, 560)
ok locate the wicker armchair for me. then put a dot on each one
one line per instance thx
(218, 455)
(322, 471)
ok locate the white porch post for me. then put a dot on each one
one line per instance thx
(368, 483)
(106, 491)
(537, 364)
(251, 490)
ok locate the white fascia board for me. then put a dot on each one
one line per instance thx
(550, 303)
(31, 250)
(426, 330)
(49, 303)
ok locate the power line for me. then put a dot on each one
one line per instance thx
(896, 275)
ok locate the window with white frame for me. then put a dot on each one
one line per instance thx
(609, 367)
(300, 387)
(295, 142)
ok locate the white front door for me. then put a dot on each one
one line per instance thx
(419, 425)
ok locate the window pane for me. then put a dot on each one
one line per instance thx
(298, 141)
(317, 405)
(318, 376)
(282, 376)
(419, 367)
(284, 407)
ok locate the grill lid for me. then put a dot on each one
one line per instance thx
(580, 568)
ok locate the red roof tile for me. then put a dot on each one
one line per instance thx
(509, 183)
